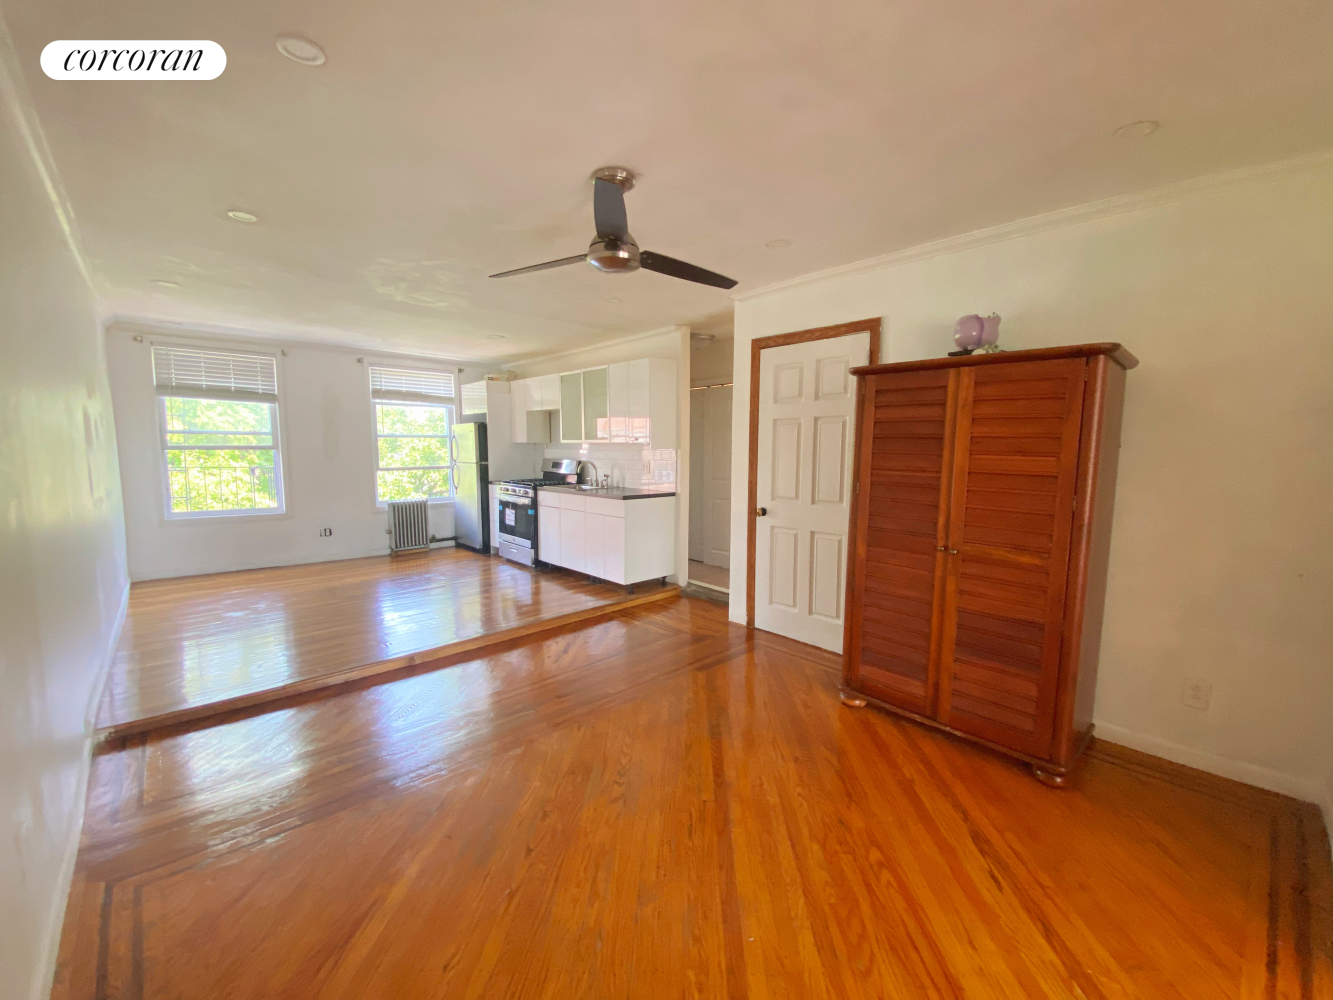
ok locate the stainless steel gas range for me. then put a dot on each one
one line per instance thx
(519, 509)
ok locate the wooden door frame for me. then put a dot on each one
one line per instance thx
(870, 326)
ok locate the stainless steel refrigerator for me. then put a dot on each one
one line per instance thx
(471, 472)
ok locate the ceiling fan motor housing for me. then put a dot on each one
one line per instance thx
(613, 257)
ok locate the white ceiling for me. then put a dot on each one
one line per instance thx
(444, 141)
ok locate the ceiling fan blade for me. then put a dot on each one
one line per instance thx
(663, 264)
(608, 211)
(542, 267)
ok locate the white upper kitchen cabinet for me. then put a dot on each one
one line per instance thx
(531, 425)
(542, 392)
(630, 402)
(617, 401)
(643, 404)
(547, 392)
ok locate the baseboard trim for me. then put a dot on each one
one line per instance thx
(248, 566)
(1267, 778)
(1326, 807)
(55, 921)
(705, 593)
(710, 586)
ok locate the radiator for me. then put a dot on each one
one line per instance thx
(407, 525)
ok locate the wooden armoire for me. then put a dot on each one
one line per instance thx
(980, 535)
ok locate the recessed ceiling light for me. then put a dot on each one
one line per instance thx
(1136, 130)
(240, 216)
(165, 283)
(614, 302)
(301, 50)
(778, 244)
(495, 336)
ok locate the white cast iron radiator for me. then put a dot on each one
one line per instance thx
(407, 525)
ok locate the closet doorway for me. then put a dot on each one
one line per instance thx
(710, 461)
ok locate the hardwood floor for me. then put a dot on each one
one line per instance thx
(203, 646)
(662, 804)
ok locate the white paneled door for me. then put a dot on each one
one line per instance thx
(807, 400)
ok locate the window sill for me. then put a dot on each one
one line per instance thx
(222, 517)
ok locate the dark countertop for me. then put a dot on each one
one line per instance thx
(617, 492)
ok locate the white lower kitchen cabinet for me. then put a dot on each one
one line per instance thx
(650, 538)
(604, 546)
(571, 539)
(621, 541)
(548, 528)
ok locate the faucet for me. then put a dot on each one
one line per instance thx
(594, 471)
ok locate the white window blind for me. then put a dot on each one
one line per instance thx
(411, 385)
(190, 372)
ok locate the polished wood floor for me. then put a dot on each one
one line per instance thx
(662, 804)
(205, 645)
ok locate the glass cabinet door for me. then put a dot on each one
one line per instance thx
(571, 407)
(596, 426)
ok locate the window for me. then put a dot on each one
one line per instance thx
(414, 409)
(219, 419)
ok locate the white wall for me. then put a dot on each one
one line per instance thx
(62, 547)
(710, 361)
(1222, 559)
(328, 454)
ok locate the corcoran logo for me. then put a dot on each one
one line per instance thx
(102, 60)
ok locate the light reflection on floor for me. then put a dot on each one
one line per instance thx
(249, 658)
(203, 640)
(418, 727)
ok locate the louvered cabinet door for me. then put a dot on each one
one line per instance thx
(1011, 511)
(894, 630)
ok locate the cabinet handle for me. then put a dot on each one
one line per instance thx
(761, 512)
(941, 548)
(953, 552)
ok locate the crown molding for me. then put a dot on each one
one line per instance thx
(538, 359)
(1075, 214)
(16, 100)
(203, 333)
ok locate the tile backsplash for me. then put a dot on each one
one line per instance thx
(628, 464)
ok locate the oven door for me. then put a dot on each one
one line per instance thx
(518, 520)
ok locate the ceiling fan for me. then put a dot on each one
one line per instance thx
(613, 249)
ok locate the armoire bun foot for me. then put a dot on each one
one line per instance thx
(1051, 778)
(851, 700)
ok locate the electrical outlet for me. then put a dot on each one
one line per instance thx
(325, 532)
(1198, 693)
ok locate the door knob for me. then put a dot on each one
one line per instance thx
(761, 512)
